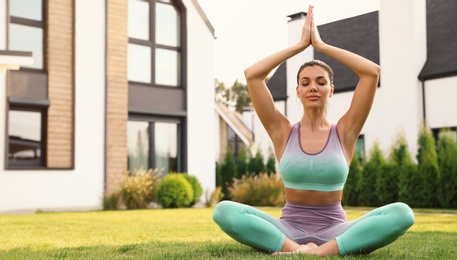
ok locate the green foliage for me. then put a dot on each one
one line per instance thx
(270, 167)
(175, 192)
(386, 187)
(196, 187)
(112, 201)
(256, 165)
(236, 97)
(139, 188)
(427, 168)
(258, 190)
(228, 171)
(214, 197)
(350, 195)
(447, 181)
(219, 180)
(241, 163)
(366, 184)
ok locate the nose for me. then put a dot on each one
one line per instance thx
(313, 87)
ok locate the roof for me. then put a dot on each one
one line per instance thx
(360, 35)
(235, 121)
(441, 40)
(203, 16)
(278, 83)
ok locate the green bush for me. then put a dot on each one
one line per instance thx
(428, 170)
(196, 187)
(258, 190)
(139, 189)
(175, 192)
(112, 201)
(350, 195)
(214, 197)
(366, 183)
(447, 155)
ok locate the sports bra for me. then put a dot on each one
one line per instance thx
(326, 170)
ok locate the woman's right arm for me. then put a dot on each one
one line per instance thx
(261, 97)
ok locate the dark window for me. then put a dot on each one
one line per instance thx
(26, 137)
(26, 29)
(234, 142)
(154, 29)
(360, 148)
(437, 132)
(154, 144)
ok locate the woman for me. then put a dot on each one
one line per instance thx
(314, 157)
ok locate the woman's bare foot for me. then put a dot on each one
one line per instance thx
(301, 249)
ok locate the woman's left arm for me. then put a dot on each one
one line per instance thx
(351, 123)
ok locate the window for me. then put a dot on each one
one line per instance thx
(26, 29)
(154, 144)
(154, 29)
(234, 142)
(360, 148)
(437, 132)
(26, 137)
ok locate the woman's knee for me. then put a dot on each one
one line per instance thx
(404, 215)
(223, 212)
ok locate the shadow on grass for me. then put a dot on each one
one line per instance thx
(413, 245)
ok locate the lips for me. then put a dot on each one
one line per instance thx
(313, 97)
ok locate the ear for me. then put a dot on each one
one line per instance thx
(296, 90)
(332, 89)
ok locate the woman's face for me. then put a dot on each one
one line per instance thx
(314, 87)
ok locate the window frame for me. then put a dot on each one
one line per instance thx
(151, 120)
(152, 43)
(31, 23)
(41, 108)
(436, 132)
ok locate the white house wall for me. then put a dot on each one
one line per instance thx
(441, 102)
(81, 188)
(201, 137)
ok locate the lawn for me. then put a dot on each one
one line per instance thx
(185, 234)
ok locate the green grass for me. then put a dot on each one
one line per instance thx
(185, 234)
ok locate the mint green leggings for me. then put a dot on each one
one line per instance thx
(314, 223)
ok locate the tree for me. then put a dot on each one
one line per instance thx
(271, 164)
(366, 183)
(350, 195)
(447, 155)
(228, 171)
(241, 164)
(256, 164)
(428, 170)
(236, 97)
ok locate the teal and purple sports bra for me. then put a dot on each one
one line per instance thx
(326, 170)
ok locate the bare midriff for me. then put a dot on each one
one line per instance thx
(313, 197)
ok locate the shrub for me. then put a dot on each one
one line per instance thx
(447, 154)
(241, 164)
(270, 167)
(196, 187)
(367, 181)
(256, 165)
(175, 192)
(258, 190)
(227, 171)
(213, 198)
(427, 160)
(350, 195)
(139, 189)
(112, 201)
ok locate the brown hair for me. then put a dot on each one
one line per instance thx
(316, 63)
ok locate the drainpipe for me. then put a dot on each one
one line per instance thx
(423, 100)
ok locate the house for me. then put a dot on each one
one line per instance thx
(414, 41)
(113, 85)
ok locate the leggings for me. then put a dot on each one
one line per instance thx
(314, 223)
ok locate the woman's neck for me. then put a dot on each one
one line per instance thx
(314, 120)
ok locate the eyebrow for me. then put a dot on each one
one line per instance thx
(319, 77)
